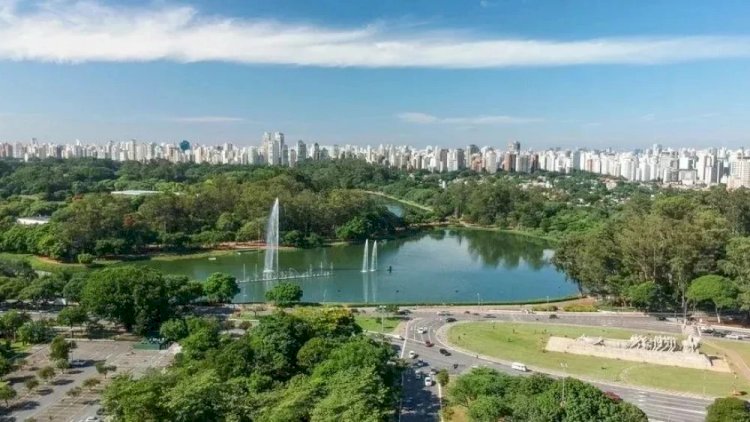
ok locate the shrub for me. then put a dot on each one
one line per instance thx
(544, 308)
(580, 308)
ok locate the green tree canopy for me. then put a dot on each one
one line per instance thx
(221, 287)
(284, 294)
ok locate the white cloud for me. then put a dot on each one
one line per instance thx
(206, 119)
(83, 31)
(424, 118)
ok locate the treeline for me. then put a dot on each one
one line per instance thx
(313, 365)
(651, 253)
(490, 396)
(201, 206)
(546, 204)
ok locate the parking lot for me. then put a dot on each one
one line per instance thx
(51, 402)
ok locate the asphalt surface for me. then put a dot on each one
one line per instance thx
(422, 403)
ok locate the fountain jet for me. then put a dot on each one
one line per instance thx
(271, 265)
(365, 267)
(374, 259)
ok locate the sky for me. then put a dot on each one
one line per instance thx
(547, 73)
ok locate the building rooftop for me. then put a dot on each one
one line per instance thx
(135, 192)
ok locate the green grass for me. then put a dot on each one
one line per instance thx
(525, 343)
(373, 323)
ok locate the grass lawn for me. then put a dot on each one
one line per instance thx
(373, 323)
(525, 343)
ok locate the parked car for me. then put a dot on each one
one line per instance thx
(422, 330)
(428, 343)
(427, 382)
(718, 333)
(450, 319)
(443, 313)
(489, 316)
(433, 371)
(552, 316)
(444, 352)
(519, 367)
(412, 355)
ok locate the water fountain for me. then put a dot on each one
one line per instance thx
(271, 266)
(365, 267)
(271, 270)
(374, 259)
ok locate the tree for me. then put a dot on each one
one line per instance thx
(60, 348)
(7, 393)
(102, 368)
(136, 297)
(62, 364)
(85, 258)
(645, 295)
(72, 315)
(715, 289)
(196, 398)
(728, 409)
(34, 332)
(221, 288)
(173, 330)
(46, 373)
(443, 377)
(31, 384)
(284, 294)
(11, 321)
(489, 409)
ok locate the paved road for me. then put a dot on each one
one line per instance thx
(422, 403)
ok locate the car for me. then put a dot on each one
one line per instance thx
(399, 336)
(427, 382)
(77, 362)
(450, 320)
(92, 419)
(467, 312)
(489, 316)
(433, 371)
(428, 343)
(444, 352)
(412, 355)
(612, 396)
(422, 330)
(519, 367)
(418, 374)
(717, 333)
(661, 318)
(552, 316)
(735, 336)
(421, 363)
(443, 313)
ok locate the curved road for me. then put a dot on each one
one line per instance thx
(422, 403)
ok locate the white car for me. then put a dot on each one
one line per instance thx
(427, 381)
(412, 355)
(422, 330)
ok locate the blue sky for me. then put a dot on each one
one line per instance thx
(624, 74)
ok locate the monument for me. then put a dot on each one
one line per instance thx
(656, 349)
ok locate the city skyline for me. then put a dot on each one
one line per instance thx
(686, 167)
(422, 73)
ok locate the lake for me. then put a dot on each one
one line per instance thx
(436, 266)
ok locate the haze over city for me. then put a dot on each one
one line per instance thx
(549, 74)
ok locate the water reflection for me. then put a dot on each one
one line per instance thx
(456, 265)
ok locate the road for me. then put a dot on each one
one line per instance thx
(422, 403)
